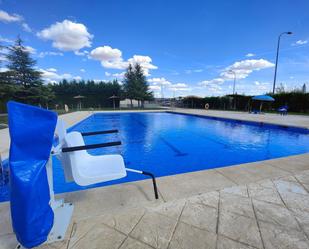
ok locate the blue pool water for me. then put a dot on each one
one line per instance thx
(169, 143)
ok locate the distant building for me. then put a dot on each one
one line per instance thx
(126, 103)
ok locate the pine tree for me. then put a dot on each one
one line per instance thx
(142, 89)
(135, 84)
(21, 66)
(129, 84)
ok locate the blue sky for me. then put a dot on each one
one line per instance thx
(185, 47)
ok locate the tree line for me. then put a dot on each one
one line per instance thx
(296, 101)
(23, 82)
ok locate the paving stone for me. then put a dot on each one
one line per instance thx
(154, 229)
(209, 199)
(286, 186)
(236, 204)
(302, 218)
(5, 219)
(201, 216)
(55, 245)
(171, 209)
(239, 175)
(275, 237)
(236, 190)
(99, 237)
(131, 243)
(293, 164)
(226, 243)
(123, 222)
(188, 237)
(264, 191)
(289, 178)
(303, 177)
(296, 201)
(190, 184)
(8, 241)
(240, 228)
(278, 215)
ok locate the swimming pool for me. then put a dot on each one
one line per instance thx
(167, 143)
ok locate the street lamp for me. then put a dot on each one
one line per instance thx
(233, 72)
(277, 56)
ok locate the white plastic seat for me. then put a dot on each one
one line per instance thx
(87, 169)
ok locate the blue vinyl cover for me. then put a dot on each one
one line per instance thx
(31, 131)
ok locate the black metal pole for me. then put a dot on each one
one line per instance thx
(277, 57)
(153, 182)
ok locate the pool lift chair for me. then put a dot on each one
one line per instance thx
(86, 169)
(37, 217)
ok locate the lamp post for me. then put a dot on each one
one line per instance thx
(233, 72)
(234, 84)
(277, 56)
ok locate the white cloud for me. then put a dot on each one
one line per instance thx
(3, 69)
(98, 80)
(51, 76)
(117, 75)
(189, 71)
(300, 42)
(78, 78)
(83, 70)
(49, 53)
(154, 88)
(112, 58)
(210, 82)
(159, 81)
(244, 68)
(30, 49)
(179, 87)
(144, 61)
(26, 27)
(109, 57)
(81, 53)
(250, 55)
(163, 85)
(51, 69)
(106, 53)
(67, 35)
(2, 39)
(6, 17)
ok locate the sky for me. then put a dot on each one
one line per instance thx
(185, 47)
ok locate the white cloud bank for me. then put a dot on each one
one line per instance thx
(250, 55)
(67, 35)
(300, 42)
(112, 58)
(160, 85)
(6, 17)
(50, 75)
(242, 70)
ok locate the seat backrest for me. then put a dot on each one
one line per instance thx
(71, 160)
(61, 130)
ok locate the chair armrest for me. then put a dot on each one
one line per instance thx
(98, 132)
(90, 146)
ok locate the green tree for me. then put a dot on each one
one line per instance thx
(135, 85)
(129, 87)
(21, 66)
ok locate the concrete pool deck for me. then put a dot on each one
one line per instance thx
(256, 205)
